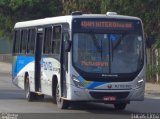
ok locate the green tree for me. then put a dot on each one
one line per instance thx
(12, 11)
(86, 6)
(147, 10)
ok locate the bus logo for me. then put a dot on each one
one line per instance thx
(109, 86)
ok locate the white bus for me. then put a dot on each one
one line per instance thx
(81, 57)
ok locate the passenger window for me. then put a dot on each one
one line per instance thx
(31, 41)
(56, 39)
(17, 41)
(47, 40)
(24, 41)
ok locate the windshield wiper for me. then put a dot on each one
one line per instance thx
(113, 47)
(99, 49)
(98, 46)
(119, 41)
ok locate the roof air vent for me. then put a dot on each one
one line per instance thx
(76, 13)
(111, 13)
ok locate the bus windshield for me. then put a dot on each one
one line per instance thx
(108, 52)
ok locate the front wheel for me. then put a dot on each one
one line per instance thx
(120, 106)
(61, 103)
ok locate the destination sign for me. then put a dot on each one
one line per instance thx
(94, 63)
(107, 24)
(101, 24)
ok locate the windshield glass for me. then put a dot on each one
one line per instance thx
(107, 53)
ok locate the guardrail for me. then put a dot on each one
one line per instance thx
(5, 58)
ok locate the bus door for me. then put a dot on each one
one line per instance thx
(64, 65)
(38, 54)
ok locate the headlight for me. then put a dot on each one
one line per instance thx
(77, 82)
(140, 83)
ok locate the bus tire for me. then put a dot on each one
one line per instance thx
(61, 103)
(120, 106)
(30, 96)
(54, 84)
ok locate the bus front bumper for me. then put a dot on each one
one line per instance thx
(81, 94)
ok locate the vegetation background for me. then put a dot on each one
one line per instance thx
(12, 11)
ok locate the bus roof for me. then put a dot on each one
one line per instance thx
(68, 19)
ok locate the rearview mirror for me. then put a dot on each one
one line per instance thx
(67, 42)
(67, 45)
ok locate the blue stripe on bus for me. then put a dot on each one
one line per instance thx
(90, 84)
(95, 84)
(20, 62)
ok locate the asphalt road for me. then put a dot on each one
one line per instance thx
(12, 102)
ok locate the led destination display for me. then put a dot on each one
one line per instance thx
(107, 24)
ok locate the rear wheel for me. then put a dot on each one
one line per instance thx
(61, 103)
(120, 106)
(30, 96)
(54, 92)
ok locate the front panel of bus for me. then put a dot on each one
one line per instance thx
(107, 59)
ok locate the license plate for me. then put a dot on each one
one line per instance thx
(110, 98)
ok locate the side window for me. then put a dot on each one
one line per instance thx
(17, 41)
(24, 40)
(56, 39)
(47, 40)
(31, 41)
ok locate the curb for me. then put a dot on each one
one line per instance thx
(152, 89)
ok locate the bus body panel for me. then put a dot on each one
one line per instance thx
(50, 67)
(21, 66)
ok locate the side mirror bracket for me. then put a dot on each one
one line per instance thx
(67, 45)
(67, 42)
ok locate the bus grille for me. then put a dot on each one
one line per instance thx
(101, 95)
